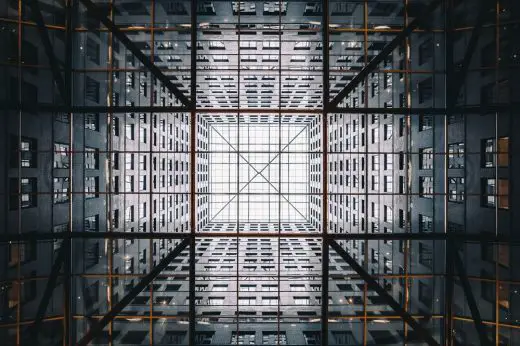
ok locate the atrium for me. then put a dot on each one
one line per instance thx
(259, 172)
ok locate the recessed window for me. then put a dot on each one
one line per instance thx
(91, 158)
(61, 190)
(61, 155)
(426, 187)
(91, 223)
(91, 187)
(456, 155)
(493, 155)
(495, 193)
(425, 224)
(456, 189)
(26, 153)
(26, 197)
(426, 158)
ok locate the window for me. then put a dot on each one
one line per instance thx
(426, 158)
(274, 338)
(388, 214)
(61, 155)
(456, 155)
(91, 158)
(247, 301)
(27, 151)
(92, 50)
(243, 338)
(426, 187)
(388, 161)
(301, 300)
(28, 190)
(91, 90)
(491, 156)
(491, 196)
(91, 187)
(425, 255)
(425, 122)
(425, 224)
(130, 131)
(425, 51)
(61, 190)
(387, 183)
(92, 121)
(425, 294)
(344, 338)
(91, 223)
(425, 90)
(216, 301)
(388, 130)
(269, 301)
(456, 189)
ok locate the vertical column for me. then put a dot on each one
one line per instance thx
(67, 241)
(449, 103)
(193, 172)
(325, 173)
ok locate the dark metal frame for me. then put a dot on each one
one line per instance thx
(141, 285)
(468, 292)
(329, 240)
(95, 12)
(374, 285)
(372, 65)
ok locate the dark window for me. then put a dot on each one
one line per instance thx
(61, 190)
(28, 193)
(91, 187)
(91, 90)
(92, 121)
(426, 187)
(425, 122)
(24, 150)
(425, 51)
(426, 90)
(93, 50)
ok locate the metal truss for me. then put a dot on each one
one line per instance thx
(47, 45)
(372, 65)
(374, 285)
(329, 239)
(141, 285)
(94, 11)
(472, 303)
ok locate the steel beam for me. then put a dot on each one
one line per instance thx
(94, 11)
(93, 332)
(47, 46)
(372, 65)
(460, 76)
(325, 174)
(478, 238)
(467, 109)
(49, 288)
(472, 303)
(421, 332)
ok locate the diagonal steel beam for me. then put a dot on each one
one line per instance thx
(253, 178)
(258, 172)
(470, 49)
(94, 11)
(374, 285)
(472, 303)
(47, 46)
(49, 288)
(116, 309)
(372, 65)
